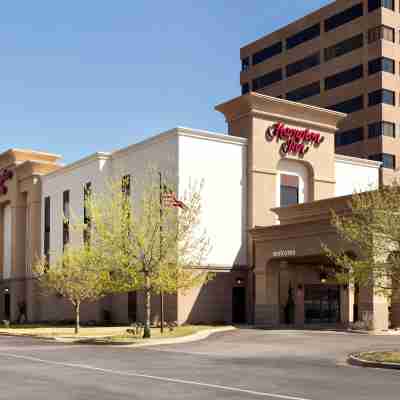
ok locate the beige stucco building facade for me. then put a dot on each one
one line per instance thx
(270, 186)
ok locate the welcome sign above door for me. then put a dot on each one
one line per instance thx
(295, 141)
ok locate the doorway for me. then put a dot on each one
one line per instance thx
(132, 306)
(322, 304)
(7, 306)
(239, 305)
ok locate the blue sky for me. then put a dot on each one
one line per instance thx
(84, 76)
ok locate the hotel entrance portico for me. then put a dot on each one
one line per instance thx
(295, 282)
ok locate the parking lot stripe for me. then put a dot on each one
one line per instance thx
(152, 377)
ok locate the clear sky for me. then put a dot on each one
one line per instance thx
(81, 76)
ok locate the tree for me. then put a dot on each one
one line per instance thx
(150, 241)
(77, 275)
(372, 227)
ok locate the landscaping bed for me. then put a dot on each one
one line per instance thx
(376, 359)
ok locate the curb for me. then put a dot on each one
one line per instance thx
(183, 339)
(355, 360)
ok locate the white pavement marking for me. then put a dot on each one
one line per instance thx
(152, 377)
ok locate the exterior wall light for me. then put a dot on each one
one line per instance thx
(323, 276)
(239, 281)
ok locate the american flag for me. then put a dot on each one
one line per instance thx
(170, 200)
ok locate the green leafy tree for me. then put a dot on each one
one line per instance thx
(150, 241)
(77, 275)
(372, 229)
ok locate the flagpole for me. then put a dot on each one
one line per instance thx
(161, 238)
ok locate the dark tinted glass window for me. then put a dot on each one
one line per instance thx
(304, 92)
(47, 211)
(374, 4)
(344, 77)
(87, 191)
(381, 64)
(303, 36)
(383, 96)
(245, 88)
(289, 190)
(382, 128)
(267, 79)
(267, 53)
(245, 64)
(303, 65)
(349, 137)
(344, 47)
(344, 17)
(126, 185)
(381, 32)
(388, 160)
(349, 106)
(66, 212)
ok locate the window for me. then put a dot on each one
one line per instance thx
(382, 128)
(303, 65)
(87, 191)
(289, 190)
(387, 160)
(344, 77)
(245, 64)
(245, 88)
(267, 79)
(349, 137)
(47, 211)
(303, 36)
(381, 32)
(381, 64)
(304, 92)
(382, 96)
(374, 4)
(349, 106)
(341, 48)
(126, 185)
(344, 17)
(66, 212)
(267, 53)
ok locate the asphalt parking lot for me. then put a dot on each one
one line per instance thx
(245, 364)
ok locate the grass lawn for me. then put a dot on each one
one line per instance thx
(109, 333)
(389, 356)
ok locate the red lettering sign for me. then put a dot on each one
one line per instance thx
(295, 141)
(5, 176)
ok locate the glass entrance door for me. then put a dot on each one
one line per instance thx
(322, 304)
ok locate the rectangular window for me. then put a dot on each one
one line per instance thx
(126, 185)
(47, 222)
(381, 32)
(387, 160)
(245, 64)
(306, 91)
(344, 77)
(245, 88)
(303, 36)
(87, 191)
(381, 64)
(303, 65)
(382, 96)
(349, 137)
(267, 79)
(344, 47)
(382, 128)
(374, 4)
(66, 217)
(267, 53)
(349, 106)
(289, 190)
(344, 17)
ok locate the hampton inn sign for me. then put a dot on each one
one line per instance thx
(295, 141)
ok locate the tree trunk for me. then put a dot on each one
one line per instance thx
(147, 303)
(77, 318)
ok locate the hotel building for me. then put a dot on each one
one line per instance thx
(343, 57)
(269, 188)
